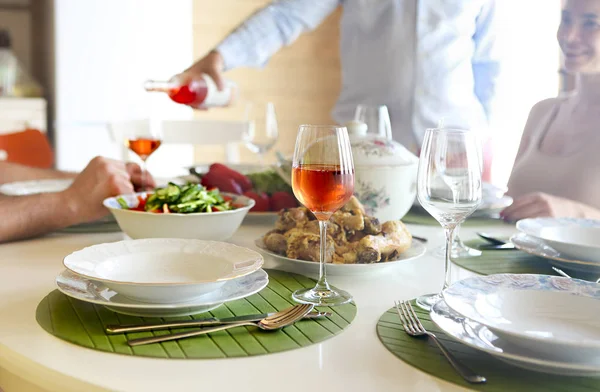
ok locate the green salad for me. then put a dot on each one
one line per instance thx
(186, 199)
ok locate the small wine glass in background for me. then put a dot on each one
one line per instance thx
(377, 119)
(262, 132)
(323, 181)
(143, 139)
(448, 185)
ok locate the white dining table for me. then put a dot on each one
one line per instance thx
(355, 360)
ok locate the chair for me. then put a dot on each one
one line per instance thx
(29, 147)
(193, 132)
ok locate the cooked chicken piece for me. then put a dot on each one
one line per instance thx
(354, 206)
(275, 242)
(333, 230)
(291, 218)
(372, 225)
(306, 246)
(349, 221)
(395, 240)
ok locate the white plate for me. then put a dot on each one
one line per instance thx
(573, 237)
(95, 292)
(547, 314)
(22, 188)
(417, 249)
(164, 270)
(479, 337)
(537, 247)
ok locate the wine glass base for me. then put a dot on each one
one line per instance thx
(322, 297)
(427, 301)
(457, 252)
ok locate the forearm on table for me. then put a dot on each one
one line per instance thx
(588, 212)
(34, 215)
(278, 24)
(10, 172)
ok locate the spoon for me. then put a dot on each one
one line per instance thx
(273, 322)
(563, 273)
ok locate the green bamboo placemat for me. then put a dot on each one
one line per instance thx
(423, 354)
(418, 216)
(83, 324)
(503, 262)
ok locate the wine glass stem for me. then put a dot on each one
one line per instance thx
(261, 159)
(143, 167)
(449, 238)
(322, 284)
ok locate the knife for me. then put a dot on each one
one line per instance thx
(507, 246)
(112, 329)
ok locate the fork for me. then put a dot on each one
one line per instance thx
(275, 321)
(413, 327)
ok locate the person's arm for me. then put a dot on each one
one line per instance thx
(10, 172)
(30, 216)
(278, 24)
(539, 204)
(486, 58)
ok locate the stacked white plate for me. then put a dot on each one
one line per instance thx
(568, 243)
(544, 323)
(162, 277)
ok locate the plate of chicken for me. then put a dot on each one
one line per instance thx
(356, 243)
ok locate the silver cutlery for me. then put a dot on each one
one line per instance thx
(413, 327)
(276, 321)
(496, 243)
(491, 239)
(563, 273)
(206, 322)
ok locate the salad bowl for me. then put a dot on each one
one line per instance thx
(206, 225)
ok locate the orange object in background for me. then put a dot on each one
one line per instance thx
(29, 147)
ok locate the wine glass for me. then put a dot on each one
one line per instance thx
(448, 185)
(143, 138)
(261, 133)
(377, 119)
(323, 181)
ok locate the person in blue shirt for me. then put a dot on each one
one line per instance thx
(426, 60)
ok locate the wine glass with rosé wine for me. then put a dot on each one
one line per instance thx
(143, 141)
(323, 181)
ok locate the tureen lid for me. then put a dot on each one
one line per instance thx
(374, 150)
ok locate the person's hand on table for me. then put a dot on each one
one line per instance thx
(211, 64)
(102, 178)
(538, 204)
(135, 174)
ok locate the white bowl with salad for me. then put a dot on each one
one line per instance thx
(180, 211)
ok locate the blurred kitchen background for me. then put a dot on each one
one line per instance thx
(91, 58)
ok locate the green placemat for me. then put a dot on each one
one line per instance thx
(83, 324)
(423, 354)
(419, 216)
(503, 261)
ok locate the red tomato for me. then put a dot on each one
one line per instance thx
(282, 200)
(262, 201)
(225, 184)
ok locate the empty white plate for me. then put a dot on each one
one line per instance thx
(95, 292)
(547, 314)
(537, 247)
(572, 237)
(164, 270)
(22, 188)
(479, 337)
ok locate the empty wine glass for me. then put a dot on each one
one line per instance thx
(377, 119)
(261, 133)
(448, 185)
(323, 181)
